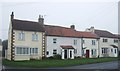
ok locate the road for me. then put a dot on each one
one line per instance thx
(105, 65)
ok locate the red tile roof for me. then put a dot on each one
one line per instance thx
(67, 32)
(66, 47)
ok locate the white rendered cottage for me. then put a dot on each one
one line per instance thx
(67, 42)
(108, 42)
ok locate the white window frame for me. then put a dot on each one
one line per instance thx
(34, 37)
(21, 35)
(54, 40)
(26, 49)
(75, 42)
(93, 42)
(33, 51)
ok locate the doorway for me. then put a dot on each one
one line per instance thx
(87, 53)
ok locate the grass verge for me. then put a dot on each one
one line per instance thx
(54, 62)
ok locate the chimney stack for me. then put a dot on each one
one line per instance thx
(12, 16)
(92, 29)
(41, 20)
(72, 27)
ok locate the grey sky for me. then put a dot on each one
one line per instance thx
(83, 14)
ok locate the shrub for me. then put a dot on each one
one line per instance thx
(57, 56)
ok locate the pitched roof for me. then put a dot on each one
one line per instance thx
(117, 36)
(103, 33)
(27, 25)
(67, 32)
(66, 47)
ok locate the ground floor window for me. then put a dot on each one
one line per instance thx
(54, 51)
(93, 51)
(104, 50)
(33, 50)
(22, 50)
(26, 50)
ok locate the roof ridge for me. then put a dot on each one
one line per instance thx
(25, 20)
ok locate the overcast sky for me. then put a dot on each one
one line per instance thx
(102, 14)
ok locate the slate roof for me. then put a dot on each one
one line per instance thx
(103, 33)
(27, 25)
(67, 32)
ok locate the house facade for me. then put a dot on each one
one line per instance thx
(108, 43)
(68, 42)
(26, 39)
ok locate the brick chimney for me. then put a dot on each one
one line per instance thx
(72, 27)
(41, 20)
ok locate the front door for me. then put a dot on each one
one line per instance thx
(70, 54)
(65, 54)
(87, 53)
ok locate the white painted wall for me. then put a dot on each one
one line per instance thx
(62, 41)
(89, 46)
(107, 45)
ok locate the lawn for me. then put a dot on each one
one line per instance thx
(55, 62)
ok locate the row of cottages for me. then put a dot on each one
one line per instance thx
(35, 40)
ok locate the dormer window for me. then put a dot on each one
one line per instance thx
(21, 36)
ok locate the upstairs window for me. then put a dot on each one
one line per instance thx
(115, 41)
(75, 42)
(35, 37)
(93, 42)
(105, 40)
(21, 36)
(54, 40)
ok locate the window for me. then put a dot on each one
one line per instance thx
(54, 51)
(111, 50)
(115, 41)
(22, 50)
(33, 50)
(21, 36)
(54, 40)
(83, 41)
(104, 50)
(47, 53)
(75, 51)
(75, 42)
(93, 42)
(115, 51)
(105, 40)
(93, 51)
(35, 37)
